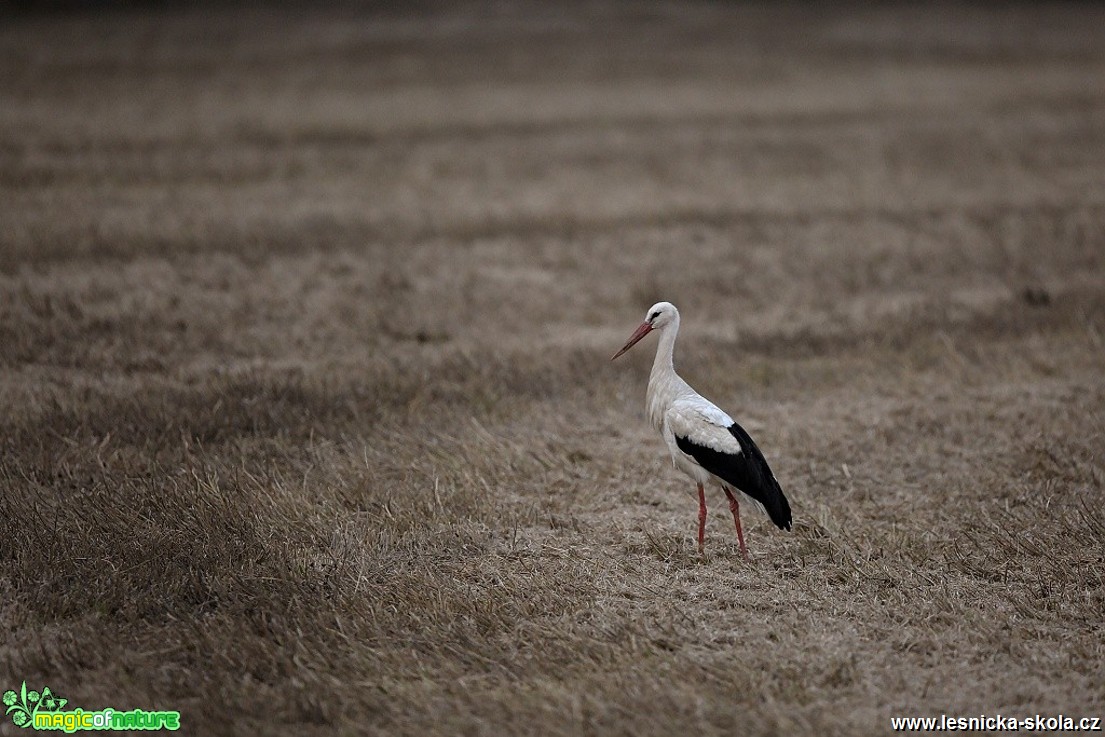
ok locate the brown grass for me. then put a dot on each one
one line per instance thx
(306, 419)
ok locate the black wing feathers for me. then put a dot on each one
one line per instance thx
(747, 471)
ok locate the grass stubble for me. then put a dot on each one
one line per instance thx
(307, 422)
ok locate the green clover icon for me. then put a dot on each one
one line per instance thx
(19, 718)
(10, 697)
(32, 697)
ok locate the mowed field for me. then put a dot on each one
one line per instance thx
(307, 419)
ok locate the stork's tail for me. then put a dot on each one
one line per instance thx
(760, 483)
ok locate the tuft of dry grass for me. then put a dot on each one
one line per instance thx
(306, 419)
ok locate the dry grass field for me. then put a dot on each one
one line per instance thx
(307, 419)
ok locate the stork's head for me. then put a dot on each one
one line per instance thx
(658, 317)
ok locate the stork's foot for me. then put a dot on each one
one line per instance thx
(735, 508)
(701, 520)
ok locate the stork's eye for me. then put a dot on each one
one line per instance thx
(654, 315)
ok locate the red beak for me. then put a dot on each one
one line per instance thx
(639, 333)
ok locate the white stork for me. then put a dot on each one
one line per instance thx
(705, 443)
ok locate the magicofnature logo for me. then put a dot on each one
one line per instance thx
(46, 711)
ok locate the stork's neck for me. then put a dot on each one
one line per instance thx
(664, 385)
(664, 363)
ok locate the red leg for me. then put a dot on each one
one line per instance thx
(735, 508)
(701, 519)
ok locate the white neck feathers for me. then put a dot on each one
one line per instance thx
(664, 385)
